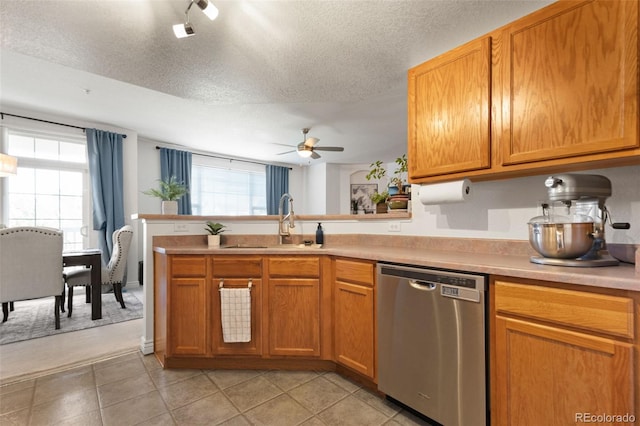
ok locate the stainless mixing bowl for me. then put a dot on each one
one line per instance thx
(561, 240)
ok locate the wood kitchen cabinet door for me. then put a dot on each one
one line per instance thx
(547, 375)
(560, 353)
(188, 325)
(569, 84)
(449, 112)
(354, 327)
(253, 347)
(294, 317)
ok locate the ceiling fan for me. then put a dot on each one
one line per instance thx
(307, 148)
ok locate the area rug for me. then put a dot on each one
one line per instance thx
(34, 318)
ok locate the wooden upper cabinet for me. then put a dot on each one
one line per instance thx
(449, 110)
(569, 88)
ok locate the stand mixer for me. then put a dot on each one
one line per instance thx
(571, 230)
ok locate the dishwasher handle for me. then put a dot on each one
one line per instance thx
(422, 285)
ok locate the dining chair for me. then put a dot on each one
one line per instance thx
(112, 275)
(31, 266)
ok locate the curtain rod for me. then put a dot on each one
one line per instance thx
(226, 158)
(2, 114)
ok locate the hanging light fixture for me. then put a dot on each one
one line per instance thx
(186, 30)
(8, 165)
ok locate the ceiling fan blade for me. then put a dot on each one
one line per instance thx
(311, 141)
(286, 152)
(329, 148)
(283, 144)
(314, 155)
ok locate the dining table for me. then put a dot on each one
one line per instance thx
(90, 258)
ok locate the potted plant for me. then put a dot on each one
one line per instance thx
(169, 192)
(399, 179)
(214, 229)
(380, 200)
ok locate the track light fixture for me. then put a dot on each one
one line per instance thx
(186, 30)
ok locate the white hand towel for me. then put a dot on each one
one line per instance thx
(236, 314)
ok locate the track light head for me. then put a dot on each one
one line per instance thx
(183, 30)
(208, 9)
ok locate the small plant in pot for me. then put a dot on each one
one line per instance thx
(400, 198)
(380, 200)
(214, 229)
(378, 172)
(170, 191)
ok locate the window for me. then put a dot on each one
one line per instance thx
(50, 188)
(223, 191)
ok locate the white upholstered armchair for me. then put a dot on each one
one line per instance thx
(30, 266)
(113, 274)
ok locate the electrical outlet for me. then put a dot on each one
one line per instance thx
(394, 227)
(180, 227)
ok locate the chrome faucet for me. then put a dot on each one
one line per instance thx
(283, 228)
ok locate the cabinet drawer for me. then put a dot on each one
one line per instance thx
(294, 266)
(237, 266)
(589, 311)
(188, 266)
(354, 271)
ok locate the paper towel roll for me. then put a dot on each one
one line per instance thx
(447, 192)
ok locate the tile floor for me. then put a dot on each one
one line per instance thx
(133, 389)
(103, 379)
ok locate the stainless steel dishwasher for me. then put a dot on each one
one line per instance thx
(432, 355)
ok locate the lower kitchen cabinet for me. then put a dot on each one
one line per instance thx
(354, 311)
(293, 307)
(186, 306)
(561, 354)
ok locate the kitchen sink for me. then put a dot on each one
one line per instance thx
(275, 247)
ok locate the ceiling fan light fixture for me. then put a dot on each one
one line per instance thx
(183, 30)
(305, 153)
(208, 9)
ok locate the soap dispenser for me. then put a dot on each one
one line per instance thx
(319, 234)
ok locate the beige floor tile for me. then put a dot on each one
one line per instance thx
(134, 410)
(17, 386)
(227, 378)
(151, 362)
(116, 360)
(287, 380)
(344, 383)
(161, 420)
(352, 411)
(187, 391)
(15, 401)
(249, 394)
(167, 377)
(386, 407)
(313, 421)
(92, 418)
(119, 370)
(69, 405)
(16, 418)
(115, 392)
(54, 386)
(318, 394)
(211, 410)
(281, 410)
(236, 421)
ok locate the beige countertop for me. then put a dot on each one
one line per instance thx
(622, 277)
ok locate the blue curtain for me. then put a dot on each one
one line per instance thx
(277, 184)
(177, 163)
(105, 170)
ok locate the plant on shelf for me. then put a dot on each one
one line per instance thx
(380, 200)
(399, 178)
(170, 191)
(214, 229)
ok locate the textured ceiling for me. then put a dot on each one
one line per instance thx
(249, 80)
